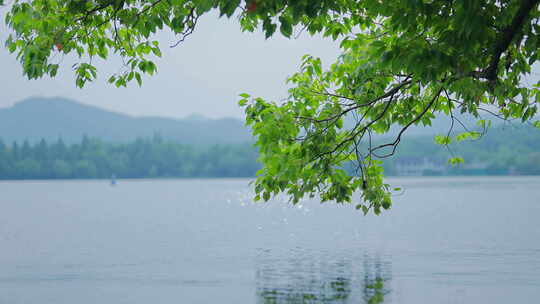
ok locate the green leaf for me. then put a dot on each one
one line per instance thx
(286, 26)
(443, 140)
(454, 161)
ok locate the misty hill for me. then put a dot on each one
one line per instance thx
(52, 118)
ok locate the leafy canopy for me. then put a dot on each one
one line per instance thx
(403, 62)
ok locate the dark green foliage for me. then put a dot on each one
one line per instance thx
(142, 158)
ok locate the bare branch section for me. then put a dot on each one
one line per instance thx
(357, 105)
(396, 142)
(356, 134)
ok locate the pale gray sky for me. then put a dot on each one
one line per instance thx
(202, 75)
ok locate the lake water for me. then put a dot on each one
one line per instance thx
(446, 240)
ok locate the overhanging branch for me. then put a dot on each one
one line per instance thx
(507, 36)
(396, 142)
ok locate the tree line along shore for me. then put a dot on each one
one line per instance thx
(502, 151)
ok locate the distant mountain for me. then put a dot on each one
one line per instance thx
(52, 118)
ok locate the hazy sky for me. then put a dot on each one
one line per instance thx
(202, 75)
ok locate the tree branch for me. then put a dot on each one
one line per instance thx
(390, 93)
(398, 138)
(507, 36)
